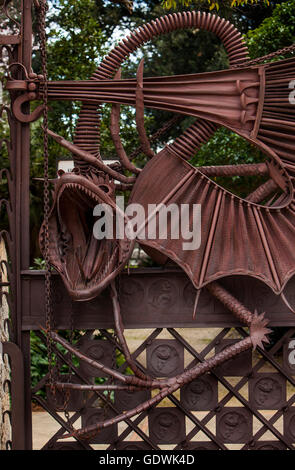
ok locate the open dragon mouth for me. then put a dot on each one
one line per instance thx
(86, 264)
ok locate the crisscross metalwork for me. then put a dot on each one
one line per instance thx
(137, 432)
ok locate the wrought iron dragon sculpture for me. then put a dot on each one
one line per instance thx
(239, 236)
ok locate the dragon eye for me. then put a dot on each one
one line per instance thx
(104, 188)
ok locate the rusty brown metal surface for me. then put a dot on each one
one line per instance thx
(244, 94)
(146, 287)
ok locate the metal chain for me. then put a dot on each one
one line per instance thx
(106, 406)
(114, 364)
(115, 337)
(166, 126)
(67, 392)
(119, 295)
(42, 9)
(259, 60)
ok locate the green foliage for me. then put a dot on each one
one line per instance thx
(211, 4)
(39, 263)
(39, 356)
(225, 147)
(228, 148)
(75, 40)
(275, 32)
(39, 360)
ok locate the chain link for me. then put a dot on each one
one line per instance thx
(42, 9)
(166, 126)
(114, 362)
(67, 391)
(259, 60)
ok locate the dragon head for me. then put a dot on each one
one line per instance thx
(86, 263)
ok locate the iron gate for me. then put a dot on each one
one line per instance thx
(245, 404)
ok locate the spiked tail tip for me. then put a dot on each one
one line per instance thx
(258, 331)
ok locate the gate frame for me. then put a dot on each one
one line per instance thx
(18, 208)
